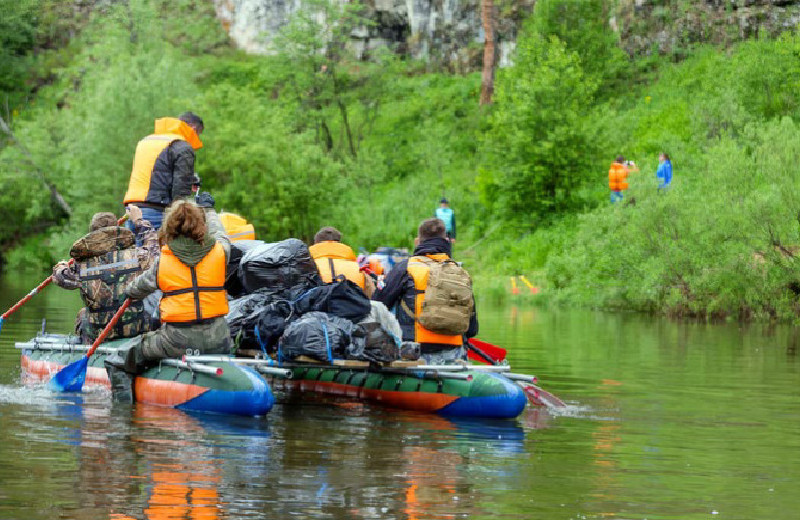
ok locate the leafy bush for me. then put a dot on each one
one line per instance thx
(538, 153)
(719, 243)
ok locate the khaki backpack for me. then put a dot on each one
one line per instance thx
(448, 304)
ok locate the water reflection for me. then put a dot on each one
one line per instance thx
(666, 420)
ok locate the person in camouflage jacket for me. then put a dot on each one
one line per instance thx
(105, 262)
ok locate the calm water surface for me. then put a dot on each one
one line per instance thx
(666, 421)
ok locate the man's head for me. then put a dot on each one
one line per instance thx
(431, 228)
(620, 159)
(443, 203)
(101, 220)
(328, 234)
(193, 120)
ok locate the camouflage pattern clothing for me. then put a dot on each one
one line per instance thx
(105, 262)
(173, 341)
(445, 356)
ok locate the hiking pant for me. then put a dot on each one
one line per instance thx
(443, 356)
(173, 341)
(616, 196)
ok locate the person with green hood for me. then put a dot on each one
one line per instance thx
(190, 273)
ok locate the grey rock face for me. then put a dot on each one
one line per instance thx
(449, 32)
(446, 31)
(648, 26)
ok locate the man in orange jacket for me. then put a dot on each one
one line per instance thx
(163, 166)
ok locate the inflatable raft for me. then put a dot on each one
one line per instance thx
(215, 387)
(450, 390)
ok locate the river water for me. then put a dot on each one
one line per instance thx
(665, 421)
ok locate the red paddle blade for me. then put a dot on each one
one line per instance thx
(540, 397)
(493, 351)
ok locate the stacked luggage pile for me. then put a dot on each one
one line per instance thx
(282, 310)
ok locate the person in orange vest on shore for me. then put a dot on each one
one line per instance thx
(163, 166)
(334, 258)
(617, 178)
(190, 273)
(431, 296)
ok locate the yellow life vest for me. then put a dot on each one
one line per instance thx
(151, 179)
(236, 227)
(335, 258)
(419, 273)
(192, 294)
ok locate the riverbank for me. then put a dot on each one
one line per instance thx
(370, 147)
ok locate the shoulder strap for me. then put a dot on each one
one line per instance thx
(333, 269)
(408, 312)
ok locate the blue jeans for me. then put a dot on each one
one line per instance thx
(616, 196)
(152, 215)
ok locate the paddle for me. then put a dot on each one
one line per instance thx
(41, 286)
(485, 352)
(71, 377)
(27, 298)
(534, 393)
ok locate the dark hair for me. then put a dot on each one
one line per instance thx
(328, 234)
(443, 201)
(666, 155)
(431, 228)
(193, 120)
(183, 219)
(620, 159)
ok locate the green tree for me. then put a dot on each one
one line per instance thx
(330, 75)
(537, 152)
(17, 38)
(583, 26)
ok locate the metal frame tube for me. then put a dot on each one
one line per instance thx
(451, 368)
(522, 377)
(274, 371)
(194, 367)
(230, 359)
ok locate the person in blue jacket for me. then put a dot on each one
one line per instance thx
(664, 172)
(446, 214)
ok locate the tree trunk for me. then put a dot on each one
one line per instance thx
(487, 77)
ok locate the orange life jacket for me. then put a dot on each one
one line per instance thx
(236, 227)
(419, 273)
(151, 178)
(618, 177)
(335, 258)
(194, 293)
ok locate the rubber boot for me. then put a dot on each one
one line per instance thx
(122, 367)
(121, 383)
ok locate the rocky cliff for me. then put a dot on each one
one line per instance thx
(648, 26)
(445, 31)
(449, 31)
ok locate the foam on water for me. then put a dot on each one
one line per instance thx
(38, 395)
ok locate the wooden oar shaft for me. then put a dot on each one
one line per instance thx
(107, 330)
